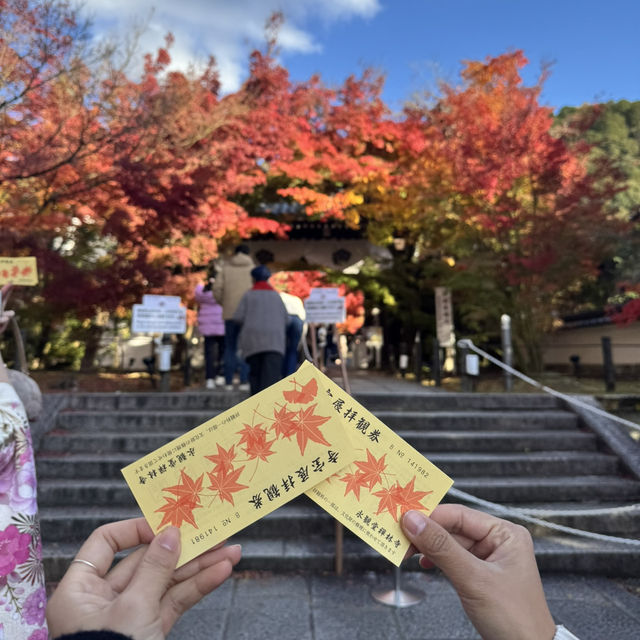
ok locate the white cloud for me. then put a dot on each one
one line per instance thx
(227, 29)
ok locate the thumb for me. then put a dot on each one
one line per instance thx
(439, 546)
(155, 571)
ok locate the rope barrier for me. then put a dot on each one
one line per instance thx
(529, 515)
(468, 344)
(523, 515)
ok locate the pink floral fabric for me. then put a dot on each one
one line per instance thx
(23, 597)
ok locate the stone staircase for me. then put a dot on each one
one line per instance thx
(523, 450)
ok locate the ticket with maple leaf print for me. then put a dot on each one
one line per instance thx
(241, 465)
(387, 478)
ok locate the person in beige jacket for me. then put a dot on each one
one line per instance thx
(232, 281)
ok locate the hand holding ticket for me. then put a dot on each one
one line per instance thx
(303, 434)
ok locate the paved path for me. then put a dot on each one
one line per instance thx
(374, 381)
(316, 607)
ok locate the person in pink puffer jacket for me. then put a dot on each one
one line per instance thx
(211, 326)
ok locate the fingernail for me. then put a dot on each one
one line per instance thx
(169, 538)
(414, 522)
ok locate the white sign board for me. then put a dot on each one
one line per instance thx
(158, 320)
(324, 306)
(472, 364)
(160, 302)
(323, 293)
(444, 317)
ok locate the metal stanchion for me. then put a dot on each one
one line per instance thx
(398, 597)
(507, 349)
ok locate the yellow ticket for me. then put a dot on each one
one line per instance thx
(388, 478)
(19, 271)
(241, 465)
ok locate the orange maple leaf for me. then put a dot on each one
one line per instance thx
(306, 393)
(388, 502)
(223, 460)
(249, 433)
(372, 469)
(307, 428)
(178, 511)
(259, 448)
(407, 498)
(283, 422)
(354, 483)
(187, 489)
(226, 484)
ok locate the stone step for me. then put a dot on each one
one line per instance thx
(500, 441)
(215, 401)
(303, 518)
(486, 441)
(183, 421)
(579, 488)
(220, 400)
(457, 465)
(444, 400)
(481, 420)
(582, 489)
(316, 554)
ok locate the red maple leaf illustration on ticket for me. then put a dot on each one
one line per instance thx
(179, 510)
(259, 448)
(354, 483)
(250, 433)
(407, 498)
(307, 427)
(397, 496)
(387, 502)
(284, 422)
(304, 395)
(371, 469)
(224, 484)
(187, 489)
(223, 460)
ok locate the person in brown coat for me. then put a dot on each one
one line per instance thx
(232, 281)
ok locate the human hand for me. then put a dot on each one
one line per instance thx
(144, 594)
(491, 564)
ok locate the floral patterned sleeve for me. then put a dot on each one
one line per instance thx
(22, 591)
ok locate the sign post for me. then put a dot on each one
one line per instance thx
(326, 306)
(444, 326)
(165, 315)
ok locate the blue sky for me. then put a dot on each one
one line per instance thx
(593, 46)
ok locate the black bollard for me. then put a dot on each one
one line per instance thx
(575, 362)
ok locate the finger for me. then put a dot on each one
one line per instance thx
(203, 561)
(107, 540)
(460, 520)
(120, 575)
(482, 534)
(439, 546)
(186, 594)
(155, 569)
